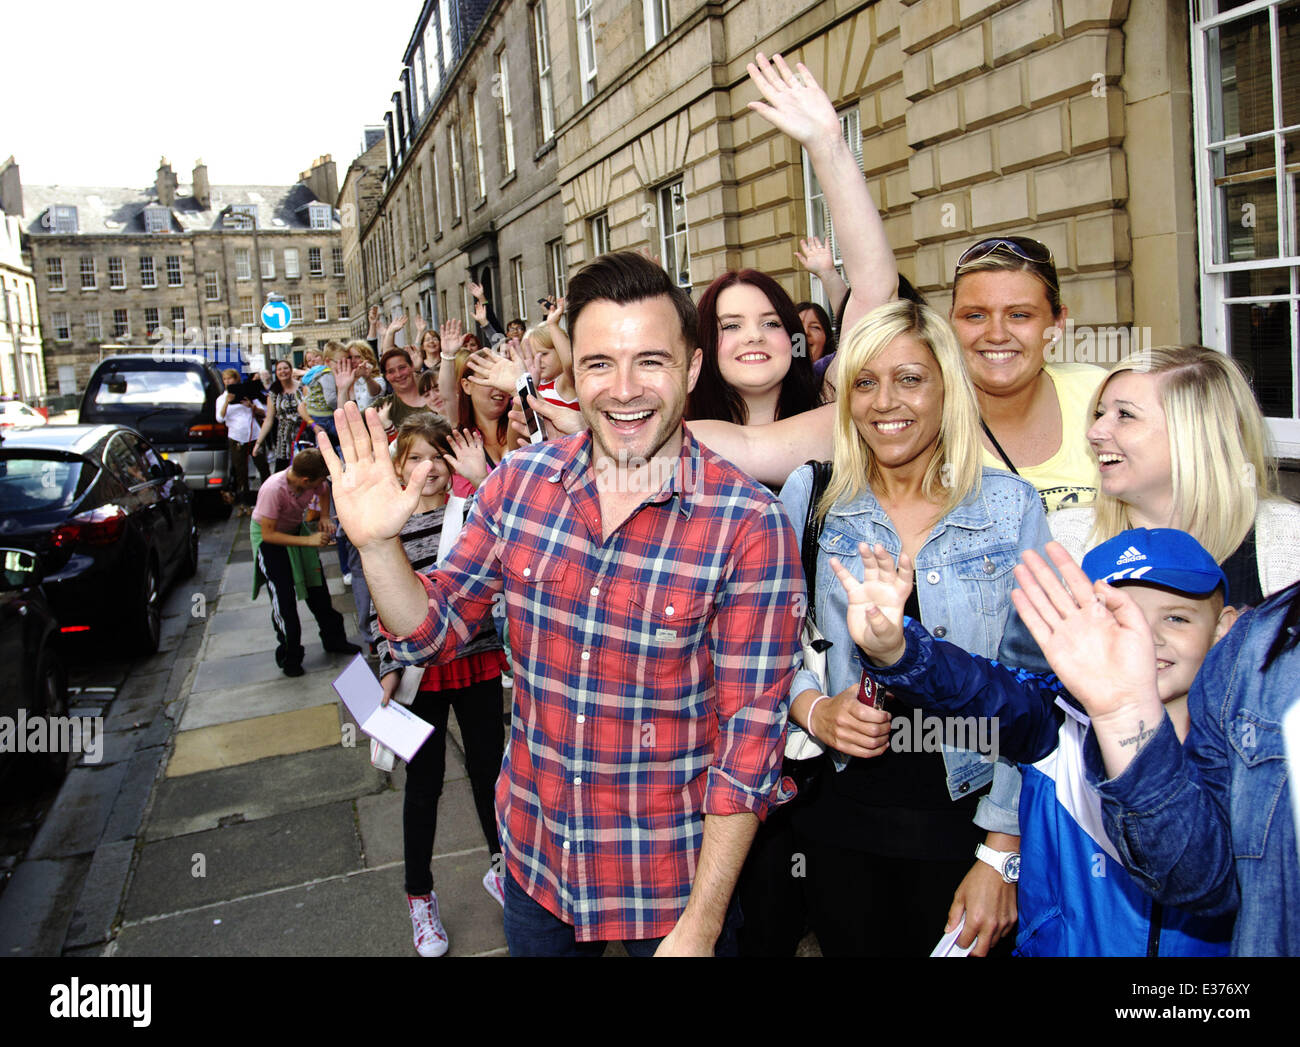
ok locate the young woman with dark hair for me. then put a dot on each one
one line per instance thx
(751, 374)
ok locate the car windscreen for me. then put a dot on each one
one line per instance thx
(30, 482)
(160, 388)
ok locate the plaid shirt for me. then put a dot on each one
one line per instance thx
(652, 672)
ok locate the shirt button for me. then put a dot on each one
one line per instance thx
(963, 788)
(586, 656)
(581, 718)
(988, 566)
(669, 610)
(595, 590)
(527, 571)
(941, 632)
(577, 780)
(566, 845)
(932, 577)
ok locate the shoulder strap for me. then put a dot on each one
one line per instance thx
(812, 528)
(997, 446)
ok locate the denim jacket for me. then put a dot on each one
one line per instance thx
(1208, 825)
(964, 583)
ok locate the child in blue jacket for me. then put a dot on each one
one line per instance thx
(1075, 897)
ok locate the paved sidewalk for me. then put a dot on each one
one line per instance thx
(270, 833)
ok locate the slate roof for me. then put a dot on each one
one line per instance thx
(103, 210)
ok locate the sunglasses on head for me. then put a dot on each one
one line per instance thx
(1021, 246)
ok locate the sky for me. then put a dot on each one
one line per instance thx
(95, 93)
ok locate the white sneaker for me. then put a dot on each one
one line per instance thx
(492, 884)
(347, 578)
(430, 937)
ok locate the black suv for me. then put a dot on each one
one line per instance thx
(171, 401)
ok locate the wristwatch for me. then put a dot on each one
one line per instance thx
(1006, 863)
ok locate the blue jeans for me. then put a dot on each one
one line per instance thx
(531, 930)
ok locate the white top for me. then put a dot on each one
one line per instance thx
(240, 424)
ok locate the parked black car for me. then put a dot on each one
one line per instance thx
(171, 401)
(29, 650)
(112, 521)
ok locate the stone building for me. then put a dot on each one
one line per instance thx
(22, 366)
(185, 267)
(1146, 142)
(469, 188)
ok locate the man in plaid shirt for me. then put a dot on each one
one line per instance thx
(654, 595)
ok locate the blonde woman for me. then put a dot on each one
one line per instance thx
(1180, 442)
(890, 834)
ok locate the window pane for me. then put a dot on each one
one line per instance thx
(1245, 180)
(1239, 51)
(1288, 27)
(1259, 338)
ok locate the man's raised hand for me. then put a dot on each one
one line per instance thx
(875, 613)
(371, 502)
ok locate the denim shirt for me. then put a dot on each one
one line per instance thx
(964, 583)
(1208, 825)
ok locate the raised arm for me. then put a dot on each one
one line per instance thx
(452, 338)
(818, 259)
(771, 452)
(797, 105)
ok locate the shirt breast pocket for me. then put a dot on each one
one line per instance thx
(531, 575)
(1258, 781)
(669, 616)
(987, 580)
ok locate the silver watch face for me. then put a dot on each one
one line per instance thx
(1012, 869)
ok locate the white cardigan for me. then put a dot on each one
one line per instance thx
(1277, 539)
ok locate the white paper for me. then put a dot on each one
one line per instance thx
(948, 943)
(392, 724)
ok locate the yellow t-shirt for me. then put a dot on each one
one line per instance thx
(1069, 478)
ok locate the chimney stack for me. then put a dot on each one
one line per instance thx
(165, 183)
(11, 188)
(202, 190)
(322, 179)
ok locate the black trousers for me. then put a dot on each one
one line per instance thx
(278, 571)
(478, 711)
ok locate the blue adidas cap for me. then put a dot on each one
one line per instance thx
(1156, 556)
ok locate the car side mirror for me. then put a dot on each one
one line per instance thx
(174, 468)
(19, 569)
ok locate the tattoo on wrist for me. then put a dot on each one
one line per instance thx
(1141, 738)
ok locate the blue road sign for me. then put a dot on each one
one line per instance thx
(276, 316)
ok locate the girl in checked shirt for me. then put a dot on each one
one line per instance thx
(470, 684)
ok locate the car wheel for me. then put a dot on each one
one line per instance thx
(50, 700)
(145, 624)
(190, 561)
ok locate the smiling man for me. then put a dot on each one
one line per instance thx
(653, 597)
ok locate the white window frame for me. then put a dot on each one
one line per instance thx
(294, 302)
(437, 193)
(478, 147)
(266, 258)
(598, 234)
(315, 262)
(655, 18)
(94, 326)
(54, 272)
(851, 129)
(336, 261)
(178, 322)
(211, 287)
(448, 49)
(457, 181)
(61, 325)
(1216, 298)
(148, 279)
(432, 72)
(342, 305)
(116, 274)
(151, 326)
(559, 268)
(320, 306)
(521, 293)
(586, 49)
(243, 264)
(679, 237)
(63, 218)
(545, 92)
(122, 327)
(93, 273)
(507, 126)
(157, 219)
(247, 313)
(178, 270)
(321, 216)
(291, 267)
